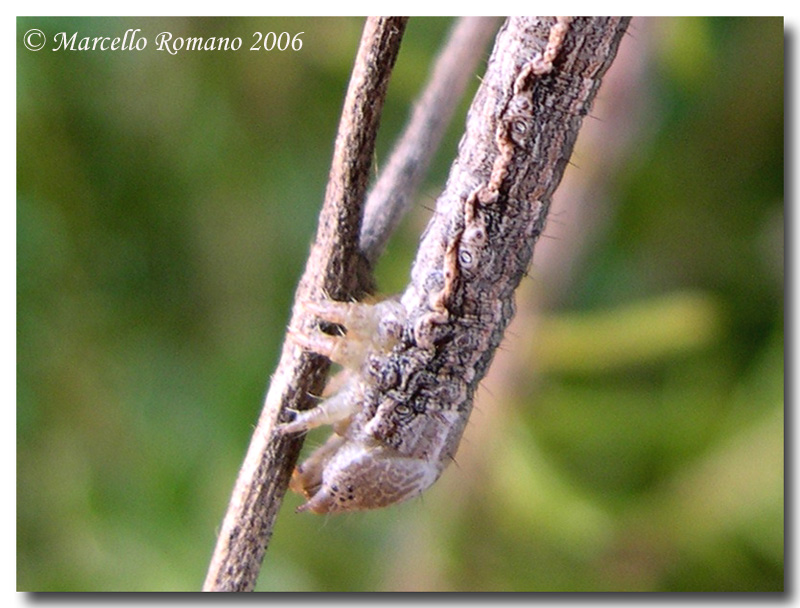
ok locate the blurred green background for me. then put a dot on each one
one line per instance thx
(630, 435)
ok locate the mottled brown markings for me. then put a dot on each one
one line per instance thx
(400, 418)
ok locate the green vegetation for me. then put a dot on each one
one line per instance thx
(165, 205)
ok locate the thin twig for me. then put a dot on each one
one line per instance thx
(399, 179)
(336, 268)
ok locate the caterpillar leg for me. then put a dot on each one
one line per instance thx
(333, 411)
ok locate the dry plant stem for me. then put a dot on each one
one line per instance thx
(335, 268)
(391, 196)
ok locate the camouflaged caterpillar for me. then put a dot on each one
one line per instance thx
(412, 365)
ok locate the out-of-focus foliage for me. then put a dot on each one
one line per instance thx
(165, 205)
